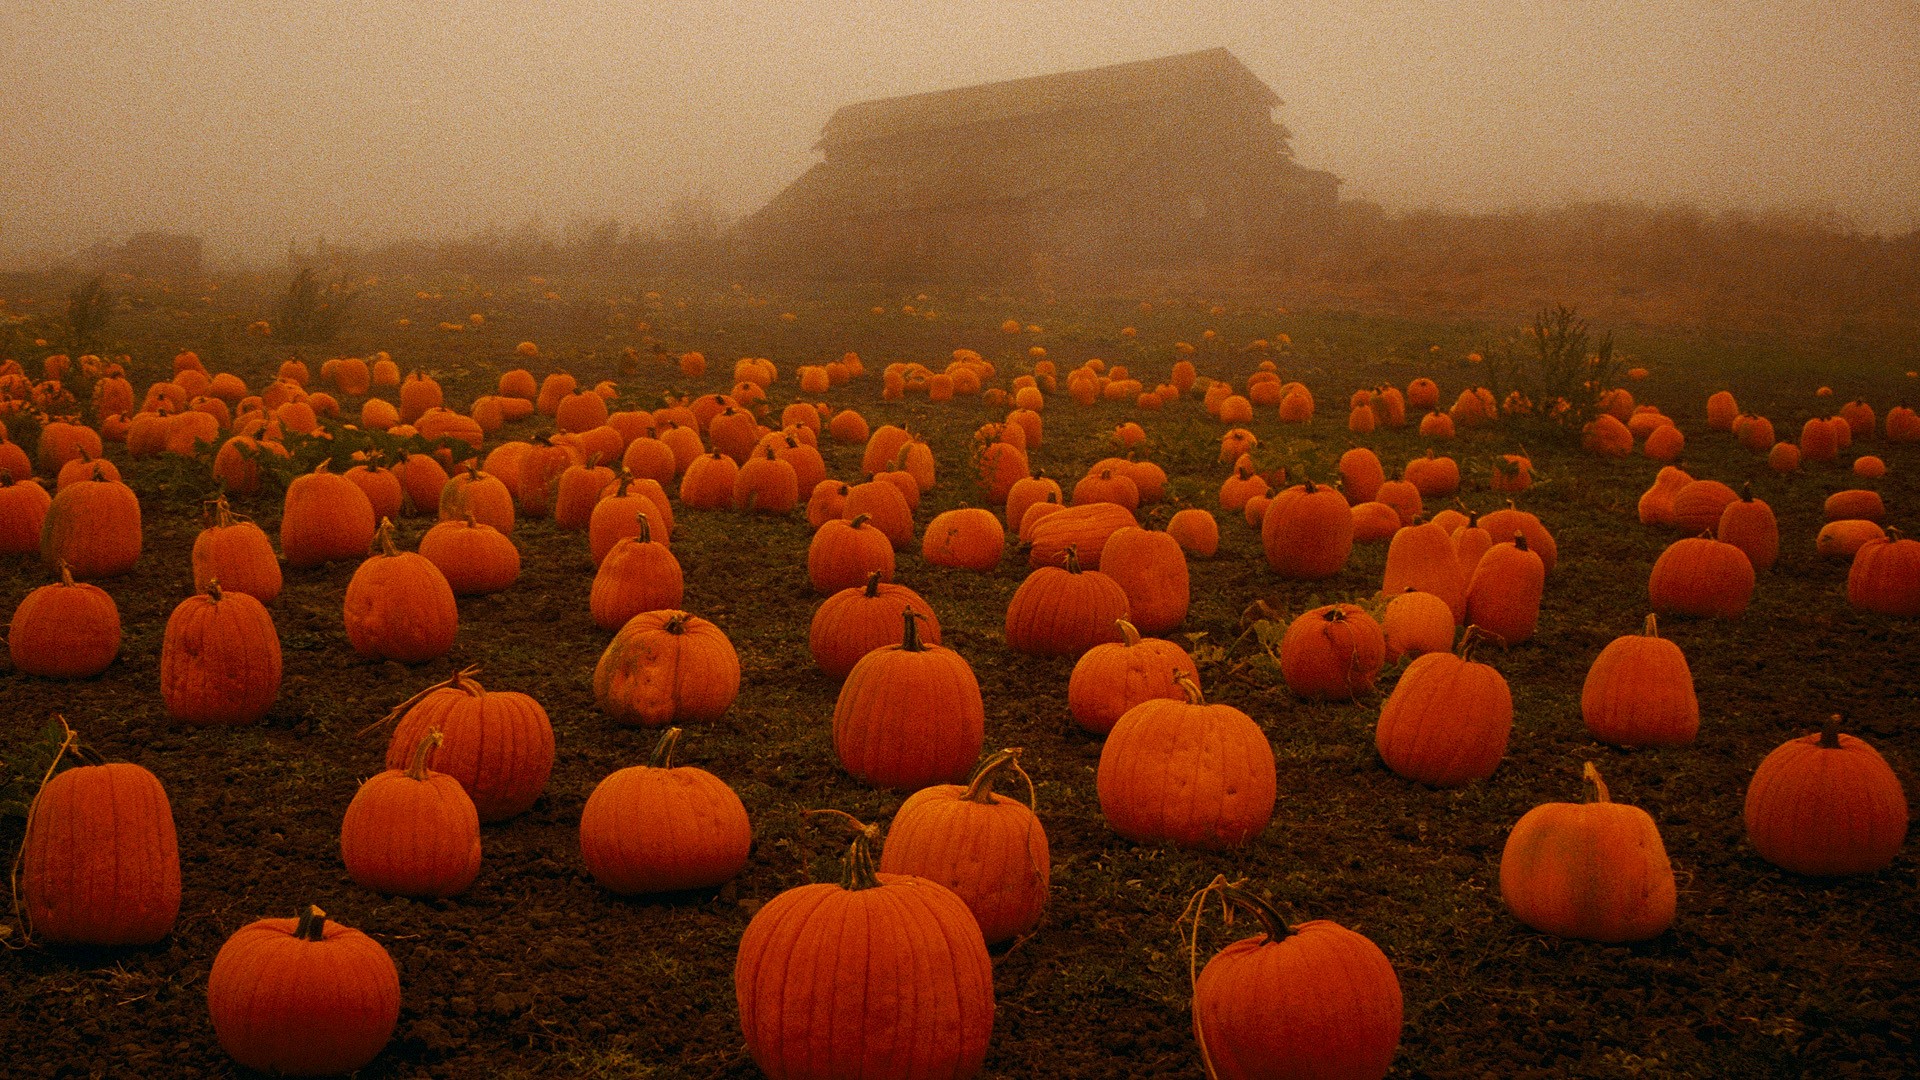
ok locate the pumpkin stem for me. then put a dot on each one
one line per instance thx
(1652, 627)
(1230, 893)
(1073, 560)
(66, 574)
(1269, 916)
(322, 467)
(1520, 541)
(384, 537)
(1592, 776)
(1830, 732)
(1128, 632)
(1192, 689)
(461, 680)
(417, 765)
(663, 750)
(910, 640)
(860, 871)
(213, 590)
(312, 925)
(980, 789)
(873, 584)
(858, 519)
(621, 482)
(676, 623)
(646, 528)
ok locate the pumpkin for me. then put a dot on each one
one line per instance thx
(94, 527)
(1825, 805)
(659, 827)
(1697, 505)
(1885, 576)
(1748, 524)
(1332, 653)
(412, 832)
(1639, 692)
(853, 622)
(766, 484)
(1083, 528)
(1843, 539)
(1701, 576)
(220, 659)
(1361, 474)
(1664, 443)
(1112, 678)
(1416, 622)
(898, 960)
(1150, 567)
(1313, 1000)
(1505, 524)
(1064, 611)
(237, 553)
(326, 517)
(1784, 457)
(1195, 530)
(988, 848)
(474, 557)
(399, 605)
(419, 393)
(1511, 472)
(886, 507)
(1757, 435)
(1433, 476)
(666, 666)
(969, 539)
(1819, 441)
(1722, 409)
(1447, 721)
(1503, 598)
(303, 997)
(100, 864)
(1903, 425)
(23, 511)
(1188, 772)
(1029, 490)
(617, 515)
(64, 630)
(578, 491)
(1403, 497)
(1596, 870)
(1374, 522)
(1422, 557)
(1243, 485)
(909, 715)
(640, 574)
(843, 552)
(1855, 505)
(1307, 532)
(1656, 503)
(1107, 486)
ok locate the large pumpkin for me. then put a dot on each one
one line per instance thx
(474, 557)
(844, 552)
(1151, 568)
(898, 960)
(1307, 532)
(988, 848)
(100, 863)
(94, 527)
(497, 744)
(659, 827)
(1447, 721)
(969, 538)
(639, 574)
(1596, 870)
(909, 715)
(412, 831)
(220, 659)
(399, 606)
(66, 630)
(1060, 611)
(1826, 804)
(1639, 692)
(1085, 529)
(303, 997)
(667, 666)
(1186, 771)
(1315, 1000)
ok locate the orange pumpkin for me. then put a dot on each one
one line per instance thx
(667, 666)
(909, 715)
(988, 848)
(1188, 772)
(412, 831)
(659, 827)
(1639, 692)
(1060, 611)
(1332, 653)
(1826, 804)
(100, 862)
(220, 659)
(305, 996)
(1596, 870)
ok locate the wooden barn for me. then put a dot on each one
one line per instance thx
(1153, 163)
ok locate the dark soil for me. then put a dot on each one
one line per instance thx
(536, 971)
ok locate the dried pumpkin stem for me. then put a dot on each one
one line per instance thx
(663, 750)
(417, 766)
(980, 788)
(384, 537)
(1592, 775)
(858, 519)
(860, 870)
(1072, 559)
(873, 584)
(461, 679)
(646, 528)
(1830, 732)
(1652, 627)
(910, 639)
(213, 590)
(1192, 689)
(66, 574)
(312, 925)
(676, 623)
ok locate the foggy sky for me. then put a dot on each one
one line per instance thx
(255, 123)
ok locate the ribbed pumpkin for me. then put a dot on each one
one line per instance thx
(412, 831)
(843, 553)
(1112, 678)
(1855, 504)
(766, 484)
(909, 715)
(1595, 870)
(220, 659)
(1150, 567)
(1083, 528)
(64, 630)
(1416, 622)
(853, 622)
(23, 510)
(1748, 524)
(666, 666)
(1885, 576)
(1656, 503)
(1332, 653)
(238, 553)
(382, 488)
(1470, 543)
(1027, 491)
(1186, 771)
(886, 507)
(1315, 1000)
(640, 574)
(1844, 539)
(1697, 504)
(1307, 532)
(1826, 804)
(1197, 533)
(1505, 524)
(1064, 611)
(1361, 474)
(898, 960)
(303, 997)
(708, 482)
(1503, 598)
(399, 606)
(659, 827)
(497, 744)
(1701, 576)
(481, 494)
(578, 492)
(1447, 721)
(94, 527)
(969, 538)
(100, 864)
(617, 515)
(325, 517)
(1422, 557)
(474, 557)
(988, 848)
(1639, 692)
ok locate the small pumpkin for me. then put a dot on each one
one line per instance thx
(1112, 678)
(1701, 576)
(640, 574)
(65, 630)
(1447, 721)
(237, 553)
(1332, 653)
(853, 622)
(1064, 611)
(1639, 692)
(474, 557)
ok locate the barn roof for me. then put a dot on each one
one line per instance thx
(1143, 80)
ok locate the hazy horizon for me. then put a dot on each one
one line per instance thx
(258, 123)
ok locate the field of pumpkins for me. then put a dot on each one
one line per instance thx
(872, 686)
